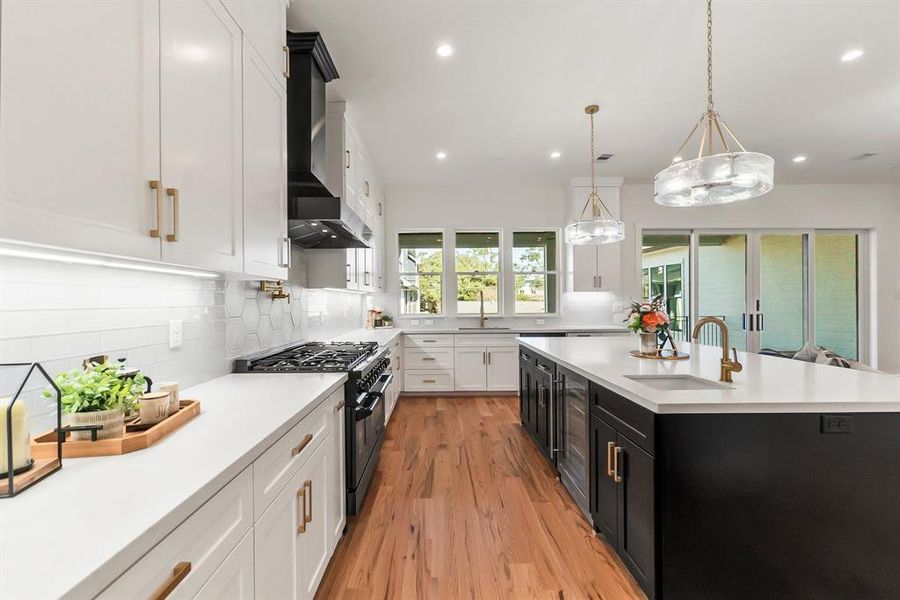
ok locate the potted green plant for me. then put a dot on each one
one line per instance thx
(98, 395)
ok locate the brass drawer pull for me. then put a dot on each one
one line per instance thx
(428, 381)
(339, 406)
(609, 453)
(303, 444)
(428, 358)
(308, 486)
(180, 571)
(155, 185)
(173, 192)
(301, 518)
(348, 159)
(616, 476)
(287, 62)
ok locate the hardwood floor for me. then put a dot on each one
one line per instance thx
(464, 506)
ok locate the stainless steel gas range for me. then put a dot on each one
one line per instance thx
(366, 366)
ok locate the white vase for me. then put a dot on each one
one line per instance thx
(648, 343)
(112, 422)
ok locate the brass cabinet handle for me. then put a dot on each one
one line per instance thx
(339, 406)
(308, 486)
(348, 272)
(303, 444)
(484, 358)
(616, 476)
(489, 358)
(173, 192)
(428, 381)
(366, 193)
(348, 158)
(301, 501)
(180, 571)
(428, 358)
(609, 453)
(287, 62)
(155, 185)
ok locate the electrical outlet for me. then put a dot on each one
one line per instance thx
(540, 321)
(837, 424)
(175, 333)
(414, 322)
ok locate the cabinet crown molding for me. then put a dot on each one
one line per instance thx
(311, 42)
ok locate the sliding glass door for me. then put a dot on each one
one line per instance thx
(775, 289)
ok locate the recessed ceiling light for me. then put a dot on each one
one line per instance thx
(441, 155)
(324, 231)
(799, 158)
(851, 55)
(677, 159)
(333, 236)
(314, 224)
(555, 154)
(444, 50)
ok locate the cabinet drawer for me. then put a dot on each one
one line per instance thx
(424, 381)
(526, 358)
(204, 540)
(545, 365)
(485, 339)
(277, 465)
(419, 340)
(629, 419)
(436, 358)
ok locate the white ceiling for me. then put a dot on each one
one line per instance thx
(522, 72)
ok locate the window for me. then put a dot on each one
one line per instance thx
(837, 300)
(664, 262)
(421, 266)
(534, 272)
(477, 272)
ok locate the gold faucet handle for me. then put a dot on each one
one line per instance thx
(734, 365)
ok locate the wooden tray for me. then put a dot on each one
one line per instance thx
(136, 437)
(664, 354)
(41, 467)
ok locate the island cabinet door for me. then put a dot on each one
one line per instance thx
(543, 419)
(604, 492)
(636, 507)
(525, 384)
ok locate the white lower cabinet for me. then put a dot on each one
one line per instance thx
(187, 557)
(502, 369)
(486, 368)
(337, 492)
(234, 577)
(470, 369)
(291, 539)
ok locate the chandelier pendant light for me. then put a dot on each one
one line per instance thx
(720, 175)
(601, 227)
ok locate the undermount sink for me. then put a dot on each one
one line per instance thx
(678, 382)
(483, 328)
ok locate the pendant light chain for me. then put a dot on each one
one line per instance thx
(593, 166)
(709, 79)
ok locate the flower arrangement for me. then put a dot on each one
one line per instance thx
(648, 317)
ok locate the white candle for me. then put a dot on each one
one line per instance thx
(21, 435)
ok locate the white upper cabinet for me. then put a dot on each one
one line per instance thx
(594, 268)
(262, 21)
(266, 245)
(201, 134)
(79, 99)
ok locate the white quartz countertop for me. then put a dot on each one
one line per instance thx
(766, 384)
(386, 336)
(75, 532)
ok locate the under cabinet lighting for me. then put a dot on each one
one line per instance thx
(98, 261)
(851, 55)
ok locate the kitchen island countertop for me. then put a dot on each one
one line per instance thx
(765, 385)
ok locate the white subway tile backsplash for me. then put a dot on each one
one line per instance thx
(59, 314)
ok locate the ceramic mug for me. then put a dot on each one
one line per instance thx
(172, 388)
(154, 407)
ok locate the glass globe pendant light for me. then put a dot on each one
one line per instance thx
(602, 227)
(717, 175)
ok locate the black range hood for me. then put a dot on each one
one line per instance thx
(316, 217)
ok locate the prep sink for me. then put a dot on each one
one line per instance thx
(678, 382)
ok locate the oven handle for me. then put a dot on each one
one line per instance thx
(382, 384)
(363, 412)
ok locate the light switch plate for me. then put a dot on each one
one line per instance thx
(175, 333)
(414, 322)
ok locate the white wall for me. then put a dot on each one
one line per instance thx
(500, 207)
(872, 207)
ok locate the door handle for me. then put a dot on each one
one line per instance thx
(180, 571)
(348, 159)
(173, 193)
(308, 486)
(609, 452)
(488, 358)
(617, 477)
(348, 272)
(301, 502)
(155, 185)
(759, 322)
(484, 358)
(287, 62)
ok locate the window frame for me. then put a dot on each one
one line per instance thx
(500, 273)
(443, 273)
(512, 270)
